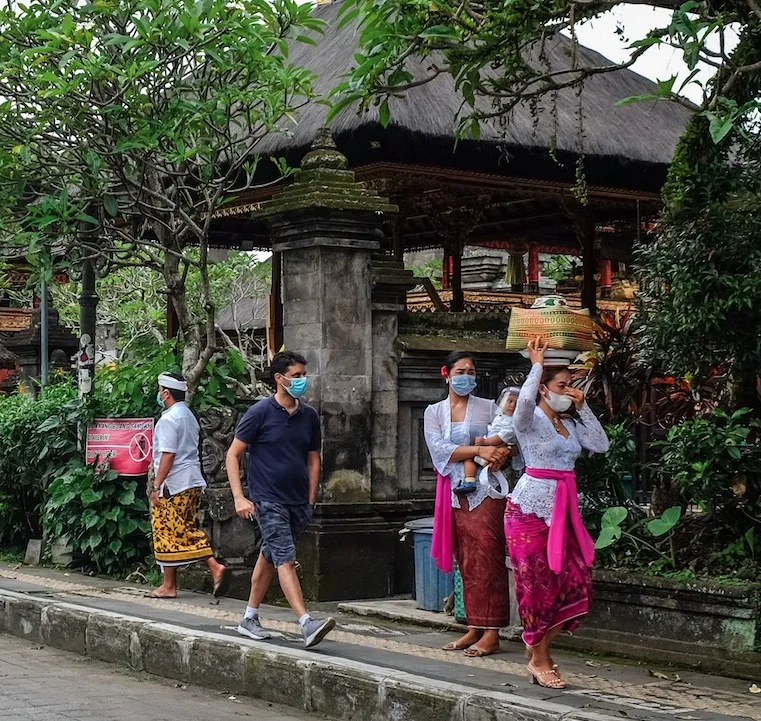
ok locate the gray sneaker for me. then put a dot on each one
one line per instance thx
(252, 628)
(314, 630)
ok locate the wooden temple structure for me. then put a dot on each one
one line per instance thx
(339, 230)
(512, 189)
(21, 333)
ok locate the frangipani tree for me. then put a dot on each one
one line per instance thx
(126, 126)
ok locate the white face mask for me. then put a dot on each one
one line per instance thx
(558, 403)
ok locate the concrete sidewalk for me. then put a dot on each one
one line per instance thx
(365, 670)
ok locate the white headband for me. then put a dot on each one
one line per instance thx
(166, 381)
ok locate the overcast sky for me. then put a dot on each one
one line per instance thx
(658, 63)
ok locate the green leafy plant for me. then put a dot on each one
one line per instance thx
(703, 458)
(741, 548)
(431, 269)
(11, 555)
(605, 478)
(558, 268)
(663, 527)
(37, 439)
(616, 380)
(38, 436)
(104, 517)
(698, 281)
(127, 390)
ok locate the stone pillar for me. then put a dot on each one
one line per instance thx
(326, 227)
(390, 285)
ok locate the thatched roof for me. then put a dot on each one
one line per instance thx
(644, 132)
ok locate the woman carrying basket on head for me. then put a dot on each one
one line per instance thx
(550, 549)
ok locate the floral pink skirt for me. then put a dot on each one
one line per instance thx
(546, 599)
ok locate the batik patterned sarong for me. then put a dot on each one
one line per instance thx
(479, 540)
(177, 536)
(545, 599)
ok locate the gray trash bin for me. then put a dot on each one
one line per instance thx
(432, 585)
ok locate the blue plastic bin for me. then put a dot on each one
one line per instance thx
(432, 586)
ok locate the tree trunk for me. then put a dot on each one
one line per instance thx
(191, 337)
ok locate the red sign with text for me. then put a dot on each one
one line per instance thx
(125, 443)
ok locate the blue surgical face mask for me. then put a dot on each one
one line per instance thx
(463, 385)
(160, 401)
(297, 388)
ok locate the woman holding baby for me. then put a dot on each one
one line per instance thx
(469, 515)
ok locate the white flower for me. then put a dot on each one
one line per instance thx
(89, 25)
(236, 5)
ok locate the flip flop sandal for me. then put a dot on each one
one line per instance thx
(475, 652)
(454, 647)
(223, 585)
(153, 594)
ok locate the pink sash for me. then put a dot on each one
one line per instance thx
(566, 505)
(442, 544)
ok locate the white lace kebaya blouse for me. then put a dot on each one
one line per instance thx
(543, 447)
(442, 438)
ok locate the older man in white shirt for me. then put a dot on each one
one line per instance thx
(175, 496)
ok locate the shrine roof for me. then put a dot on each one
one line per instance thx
(643, 133)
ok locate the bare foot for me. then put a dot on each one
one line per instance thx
(530, 655)
(222, 577)
(217, 573)
(472, 636)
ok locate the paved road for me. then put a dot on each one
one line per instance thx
(43, 684)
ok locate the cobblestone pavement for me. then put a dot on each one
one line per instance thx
(78, 689)
(679, 696)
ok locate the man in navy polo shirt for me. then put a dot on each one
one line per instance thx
(282, 436)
